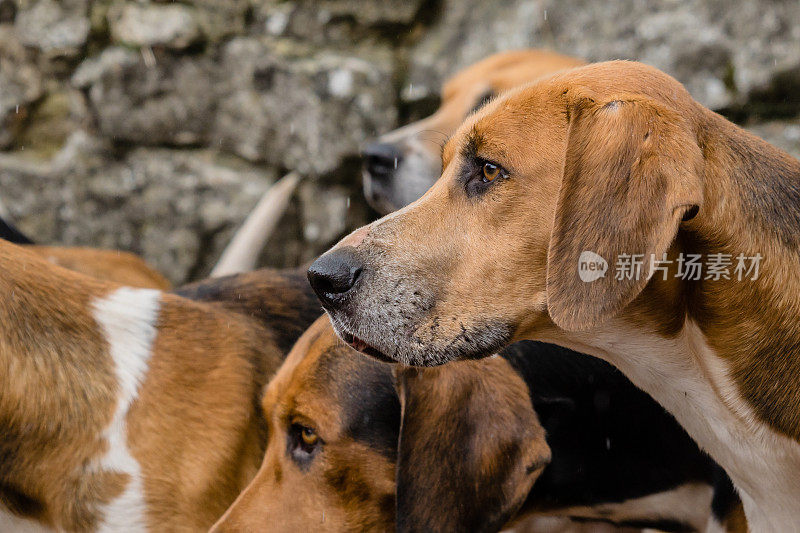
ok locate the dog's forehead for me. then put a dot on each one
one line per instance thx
(300, 366)
(506, 120)
(497, 126)
(351, 396)
(343, 391)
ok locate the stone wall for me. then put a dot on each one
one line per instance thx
(156, 126)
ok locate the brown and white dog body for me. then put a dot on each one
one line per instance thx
(125, 409)
(402, 164)
(614, 158)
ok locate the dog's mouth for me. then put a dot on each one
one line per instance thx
(365, 348)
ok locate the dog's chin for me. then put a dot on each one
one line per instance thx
(360, 345)
(407, 357)
(483, 342)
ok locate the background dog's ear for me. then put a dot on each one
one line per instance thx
(633, 169)
(470, 446)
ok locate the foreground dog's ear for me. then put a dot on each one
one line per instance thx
(470, 446)
(633, 169)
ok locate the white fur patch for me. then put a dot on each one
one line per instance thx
(128, 321)
(689, 504)
(685, 376)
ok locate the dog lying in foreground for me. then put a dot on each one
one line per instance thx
(540, 430)
(402, 164)
(548, 195)
(125, 409)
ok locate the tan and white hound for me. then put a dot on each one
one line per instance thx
(609, 163)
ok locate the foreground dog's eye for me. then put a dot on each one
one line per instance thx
(308, 436)
(303, 443)
(481, 174)
(490, 172)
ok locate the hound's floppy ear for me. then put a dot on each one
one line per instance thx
(633, 169)
(470, 446)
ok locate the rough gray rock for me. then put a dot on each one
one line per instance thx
(169, 25)
(150, 98)
(200, 104)
(324, 22)
(720, 51)
(52, 119)
(20, 86)
(219, 19)
(290, 106)
(178, 208)
(299, 108)
(55, 27)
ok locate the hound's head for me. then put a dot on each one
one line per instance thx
(333, 419)
(602, 159)
(401, 165)
(335, 444)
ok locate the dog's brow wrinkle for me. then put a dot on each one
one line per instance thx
(474, 141)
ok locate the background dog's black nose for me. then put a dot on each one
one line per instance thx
(381, 159)
(334, 273)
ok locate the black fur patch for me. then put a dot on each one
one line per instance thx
(771, 187)
(20, 504)
(367, 398)
(482, 101)
(725, 497)
(281, 300)
(610, 441)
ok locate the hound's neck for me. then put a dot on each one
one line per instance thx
(686, 377)
(751, 208)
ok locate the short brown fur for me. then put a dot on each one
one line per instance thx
(348, 487)
(609, 158)
(109, 265)
(194, 427)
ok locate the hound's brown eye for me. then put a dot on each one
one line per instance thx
(303, 444)
(490, 172)
(309, 437)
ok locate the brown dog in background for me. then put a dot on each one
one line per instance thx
(402, 164)
(110, 265)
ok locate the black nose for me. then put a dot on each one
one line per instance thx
(381, 159)
(334, 273)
